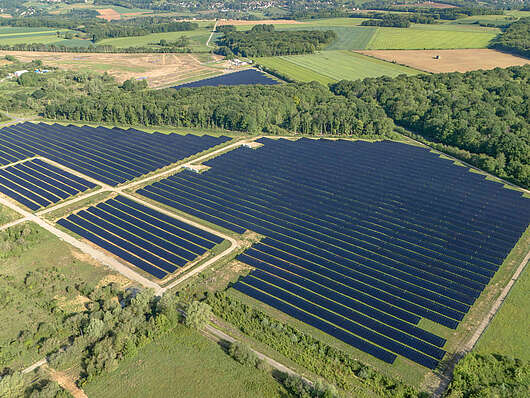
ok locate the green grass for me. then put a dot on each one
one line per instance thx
(424, 38)
(507, 334)
(184, 364)
(329, 66)
(24, 306)
(328, 22)
(198, 38)
(42, 35)
(7, 215)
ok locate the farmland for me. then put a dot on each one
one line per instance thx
(296, 256)
(437, 37)
(168, 367)
(159, 70)
(442, 61)
(330, 66)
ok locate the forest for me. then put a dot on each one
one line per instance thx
(390, 20)
(515, 39)
(264, 41)
(483, 112)
(305, 108)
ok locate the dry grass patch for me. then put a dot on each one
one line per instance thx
(449, 60)
(159, 70)
(108, 14)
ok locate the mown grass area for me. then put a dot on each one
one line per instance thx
(507, 333)
(39, 281)
(330, 66)
(198, 38)
(184, 364)
(29, 35)
(429, 38)
(7, 215)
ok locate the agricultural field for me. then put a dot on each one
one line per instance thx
(197, 38)
(116, 13)
(184, 363)
(109, 156)
(16, 35)
(431, 37)
(359, 273)
(244, 77)
(442, 61)
(159, 70)
(331, 66)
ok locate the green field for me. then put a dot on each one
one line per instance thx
(507, 334)
(436, 37)
(197, 38)
(7, 215)
(8, 36)
(330, 66)
(184, 364)
(38, 274)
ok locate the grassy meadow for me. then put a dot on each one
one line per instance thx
(431, 37)
(7, 215)
(331, 66)
(184, 364)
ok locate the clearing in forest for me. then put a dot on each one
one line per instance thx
(160, 70)
(440, 61)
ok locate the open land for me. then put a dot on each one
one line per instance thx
(159, 70)
(184, 363)
(330, 66)
(431, 37)
(449, 60)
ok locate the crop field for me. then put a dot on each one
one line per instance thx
(331, 66)
(442, 61)
(366, 256)
(244, 77)
(38, 184)
(10, 36)
(112, 156)
(155, 243)
(197, 38)
(440, 37)
(184, 364)
(159, 70)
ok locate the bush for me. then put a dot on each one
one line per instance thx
(243, 354)
(198, 314)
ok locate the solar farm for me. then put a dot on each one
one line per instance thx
(360, 240)
(244, 77)
(370, 243)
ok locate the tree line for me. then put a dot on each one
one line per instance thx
(264, 41)
(390, 20)
(483, 112)
(305, 108)
(515, 39)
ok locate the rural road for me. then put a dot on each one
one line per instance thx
(211, 34)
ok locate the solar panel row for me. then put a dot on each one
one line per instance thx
(361, 239)
(148, 239)
(112, 156)
(38, 184)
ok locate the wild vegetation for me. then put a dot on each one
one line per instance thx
(515, 39)
(482, 113)
(306, 108)
(490, 376)
(325, 361)
(264, 41)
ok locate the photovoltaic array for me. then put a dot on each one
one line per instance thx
(146, 238)
(37, 184)
(362, 240)
(112, 156)
(244, 77)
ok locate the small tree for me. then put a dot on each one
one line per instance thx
(197, 315)
(12, 386)
(243, 354)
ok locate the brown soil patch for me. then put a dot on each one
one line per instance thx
(86, 258)
(160, 70)
(76, 304)
(449, 60)
(427, 4)
(265, 21)
(108, 14)
(5, 16)
(66, 382)
(118, 279)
